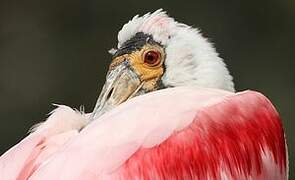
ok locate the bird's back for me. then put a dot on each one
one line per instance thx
(178, 133)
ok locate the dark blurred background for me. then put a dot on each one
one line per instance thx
(55, 51)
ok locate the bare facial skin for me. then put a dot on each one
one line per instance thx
(130, 75)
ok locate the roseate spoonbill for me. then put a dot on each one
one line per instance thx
(181, 119)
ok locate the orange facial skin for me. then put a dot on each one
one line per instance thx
(149, 74)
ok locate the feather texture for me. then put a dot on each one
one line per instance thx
(45, 139)
(176, 133)
(191, 60)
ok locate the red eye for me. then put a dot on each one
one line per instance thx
(152, 58)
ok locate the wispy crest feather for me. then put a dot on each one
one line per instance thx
(158, 24)
(191, 60)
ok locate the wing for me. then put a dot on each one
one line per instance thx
(177, 133)
(240, 137)
(23, 159)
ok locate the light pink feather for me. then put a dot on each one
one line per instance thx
(23, 159)
(177, 133)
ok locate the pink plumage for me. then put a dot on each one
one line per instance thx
(176, 133)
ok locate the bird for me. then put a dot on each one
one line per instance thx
(168, 110)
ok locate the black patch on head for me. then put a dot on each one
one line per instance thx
(160, 84)
(135, 43)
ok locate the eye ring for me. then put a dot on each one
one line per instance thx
(152, 58)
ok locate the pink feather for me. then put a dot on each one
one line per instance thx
(176, 133)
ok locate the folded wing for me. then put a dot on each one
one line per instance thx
(177, 133)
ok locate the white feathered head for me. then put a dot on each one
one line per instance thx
(154, 51)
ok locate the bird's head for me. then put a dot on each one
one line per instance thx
(154, 52)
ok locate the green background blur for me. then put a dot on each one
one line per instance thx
(55, 51)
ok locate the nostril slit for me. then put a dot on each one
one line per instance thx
(110, 93)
